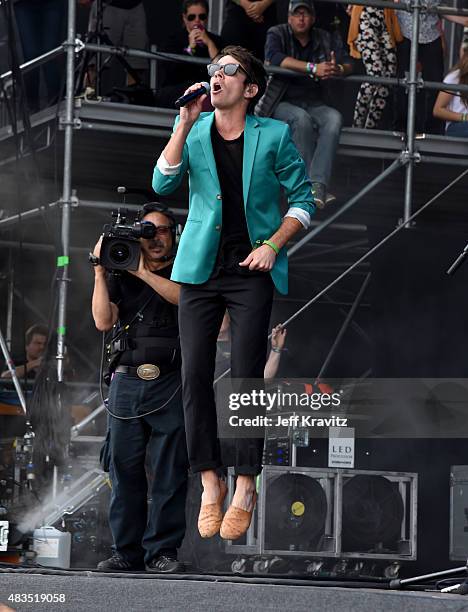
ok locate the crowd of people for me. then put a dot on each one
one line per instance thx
(328, 39)
(373, 40)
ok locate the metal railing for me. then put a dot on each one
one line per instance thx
(408, 156)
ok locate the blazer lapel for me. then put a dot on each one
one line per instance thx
(251, 134)
(204, 133)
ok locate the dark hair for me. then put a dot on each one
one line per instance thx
(188, 3)
(465, 39)
(36, 330)
(462, 66)
(151, 207)
(252, 66)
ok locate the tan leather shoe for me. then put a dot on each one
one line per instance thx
(236, 521)
(211, 515)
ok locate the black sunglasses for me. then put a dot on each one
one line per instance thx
(192, 17)
(228, 69)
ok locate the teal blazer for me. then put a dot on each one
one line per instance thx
(271, 161)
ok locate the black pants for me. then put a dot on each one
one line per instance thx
(239, 29)
(431, 57)
(141, 531)
(248, 300)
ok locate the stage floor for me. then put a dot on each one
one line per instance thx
(102, 592)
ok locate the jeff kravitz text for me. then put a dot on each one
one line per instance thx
(292, 420)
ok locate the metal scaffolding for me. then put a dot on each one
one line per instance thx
(408, 155)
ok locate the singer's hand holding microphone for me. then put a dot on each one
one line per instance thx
(191, 102)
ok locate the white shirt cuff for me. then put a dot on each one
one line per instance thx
(299, 214)
(165, 168)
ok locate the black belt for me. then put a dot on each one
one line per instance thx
(146, 371)
(145, 341)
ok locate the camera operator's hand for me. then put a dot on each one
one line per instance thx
(97, 253)
(143, 269)
(105, 313)
(97, 247)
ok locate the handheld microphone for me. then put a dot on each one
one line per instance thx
(193, 95)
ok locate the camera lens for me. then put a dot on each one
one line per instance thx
(119, 252)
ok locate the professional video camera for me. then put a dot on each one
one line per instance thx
(120, 248)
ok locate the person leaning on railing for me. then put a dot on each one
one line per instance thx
(431, 57)
(34, 350)
(193, 40)
(452, 106)
(299, 100)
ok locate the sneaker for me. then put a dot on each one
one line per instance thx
(321, 197)
(117, 563)
(165, 564)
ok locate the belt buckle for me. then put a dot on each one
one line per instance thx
(148, 371)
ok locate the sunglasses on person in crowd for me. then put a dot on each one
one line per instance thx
(193, 16)
(228, 69)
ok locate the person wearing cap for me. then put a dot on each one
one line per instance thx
(299, 101)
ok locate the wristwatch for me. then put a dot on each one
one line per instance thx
(93, 259)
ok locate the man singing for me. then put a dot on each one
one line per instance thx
(230, 257)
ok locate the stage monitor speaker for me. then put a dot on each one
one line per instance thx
(296, 511)
(373, 511)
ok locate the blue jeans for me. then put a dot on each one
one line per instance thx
(458, 128)
(141, 530)
(316, 132)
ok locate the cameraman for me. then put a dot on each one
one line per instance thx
(145, 404)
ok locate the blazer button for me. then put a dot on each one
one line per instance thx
(219, 196)
(218, 228)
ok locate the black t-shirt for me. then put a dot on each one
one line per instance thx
(234, 243)
(305, 87)
(177, 73)
(124, 4)
(18, 362)
(157, 320)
